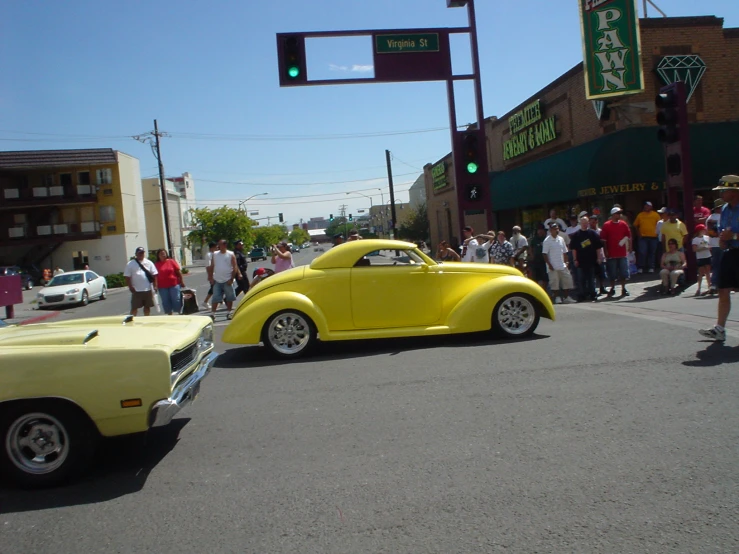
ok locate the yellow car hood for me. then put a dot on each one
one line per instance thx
(466, 267)
(163, 332)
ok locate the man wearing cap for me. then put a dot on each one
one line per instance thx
(141, 280)
(712, 230)
(338, 239)
(242, 279)
(470, 247)
(673, 228)
(554, 250)
(728, 278)
(646, 229)
(616, 238)
(354, 235)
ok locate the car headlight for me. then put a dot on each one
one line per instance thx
(40, 295)
(206, 338)
(72, 291)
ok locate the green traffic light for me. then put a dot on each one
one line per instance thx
(293, 71)
(472, 167)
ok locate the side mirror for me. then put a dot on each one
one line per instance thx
(424, 266)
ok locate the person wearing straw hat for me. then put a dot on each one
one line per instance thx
(728, 234)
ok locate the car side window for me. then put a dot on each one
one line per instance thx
(388, 258)
(90, 276)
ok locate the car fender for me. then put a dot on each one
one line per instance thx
(248, 322)
(474, 311)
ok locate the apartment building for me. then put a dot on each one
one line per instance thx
(69, 208)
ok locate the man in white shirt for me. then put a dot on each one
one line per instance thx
(554, 219)
(555, 255)
(141, 280)
(221, 273)
(470, 246)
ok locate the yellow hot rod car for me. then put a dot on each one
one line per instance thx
(64, 385)
(369, 289)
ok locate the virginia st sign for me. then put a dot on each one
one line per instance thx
(611, 48)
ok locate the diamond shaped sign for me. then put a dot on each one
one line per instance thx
(688, 69)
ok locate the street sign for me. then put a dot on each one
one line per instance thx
(407, 43)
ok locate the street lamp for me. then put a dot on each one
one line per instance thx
(360, 194)
(243, 202)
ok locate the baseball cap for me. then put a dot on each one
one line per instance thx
(593, 216)
(647, 203)
(469, 229)
(338, 236)
(353, 233)
(554, 225)
(671, 211)
(140, 249)
(582, 214)
(238, 242)
(700, 227)
(615, 210)
(718, 203)
(662, 210)
(260, 271)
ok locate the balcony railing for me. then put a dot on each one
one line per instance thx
(64, 231)
(51, 194)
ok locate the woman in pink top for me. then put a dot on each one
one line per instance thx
(282, 257)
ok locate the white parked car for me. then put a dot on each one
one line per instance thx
(73, 287)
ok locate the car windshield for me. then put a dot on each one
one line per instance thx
(67, 279)
(391, 257)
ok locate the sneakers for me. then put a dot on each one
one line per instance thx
(569, 300)
(611, 292)
(651, 270)
(558, 300)
(714, 334)
(624, 292)
(640, 270)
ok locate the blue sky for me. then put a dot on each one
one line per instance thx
(91, 74)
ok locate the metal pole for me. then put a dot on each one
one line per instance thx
(392, 193)
(478, 97)
(164, 192)
(645, 9)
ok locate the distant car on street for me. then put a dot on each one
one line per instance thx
(257, 254)
(26, 279)
(294, 248)
(73, 287)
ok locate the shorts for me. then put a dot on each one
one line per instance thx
(703, 261)
(560, 279)
(728, 272)
(242, 285)
(223, 289)
(618, 268)
(143, 299)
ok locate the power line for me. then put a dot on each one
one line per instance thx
(300, 184)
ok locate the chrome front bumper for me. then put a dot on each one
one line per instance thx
(185, 392)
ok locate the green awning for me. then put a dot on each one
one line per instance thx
(630, 156)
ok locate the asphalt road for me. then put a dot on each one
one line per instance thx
(609, 431)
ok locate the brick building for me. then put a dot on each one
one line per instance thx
(558, 150)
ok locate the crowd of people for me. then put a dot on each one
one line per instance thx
(579, 257)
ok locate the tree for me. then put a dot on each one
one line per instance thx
(298, 236)
(220, 223)
(416, 227)
(269, 235)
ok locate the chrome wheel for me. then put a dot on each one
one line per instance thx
(516, 315)
(37, 443)
(289, 333)
(85, 298)
(103, 293)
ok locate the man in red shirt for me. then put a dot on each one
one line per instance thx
(700, 212)
(616, 238)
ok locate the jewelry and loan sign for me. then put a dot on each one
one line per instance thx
(528, 131)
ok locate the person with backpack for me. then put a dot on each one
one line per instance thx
(141, 280)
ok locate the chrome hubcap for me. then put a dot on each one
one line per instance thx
(289, 333)
(516, 315)
(37, 443)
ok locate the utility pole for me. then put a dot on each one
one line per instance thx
(164, 191)
(146, 139)
(392, 193)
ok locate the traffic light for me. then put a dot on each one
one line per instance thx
(330, 217)
(470, 153)
(281, 218)
(667, 105)
(350, 217)
(292, 61)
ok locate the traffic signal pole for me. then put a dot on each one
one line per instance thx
(392, 193)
